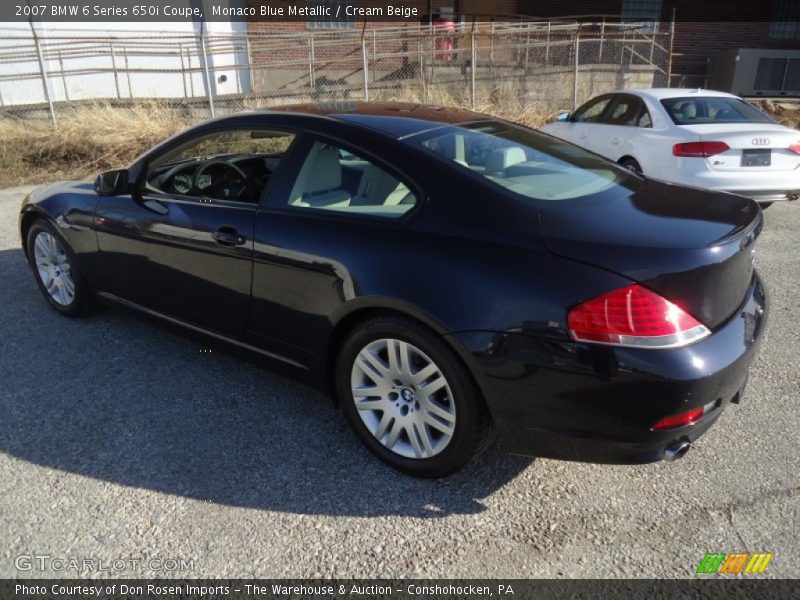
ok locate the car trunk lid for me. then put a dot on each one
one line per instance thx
(758, 140)
(693, 247)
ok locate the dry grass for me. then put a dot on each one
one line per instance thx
(88, 140)
(97, 137)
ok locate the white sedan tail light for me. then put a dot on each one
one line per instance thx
(700, 149)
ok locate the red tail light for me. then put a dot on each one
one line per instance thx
(795, 148)
(700, 149)
(679, 420)
(634, 316)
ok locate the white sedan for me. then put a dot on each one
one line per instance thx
(698, 138)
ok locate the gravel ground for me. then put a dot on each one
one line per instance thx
(120, 439)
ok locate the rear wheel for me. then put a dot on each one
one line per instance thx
(409, 398)
(632, 164)
(53, 266)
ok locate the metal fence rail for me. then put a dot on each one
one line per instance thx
(541, 65)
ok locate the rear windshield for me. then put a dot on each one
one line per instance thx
(696, 111)
(526, 162)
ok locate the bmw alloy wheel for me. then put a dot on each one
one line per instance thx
(54, 269)
(403, 398)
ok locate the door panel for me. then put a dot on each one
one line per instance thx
(585, 127)
(162, 253)
(619, 123)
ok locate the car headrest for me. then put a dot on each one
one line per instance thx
(502, 158)
(324, 171)
(690, 110)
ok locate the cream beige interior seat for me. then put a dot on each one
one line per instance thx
(319, 181)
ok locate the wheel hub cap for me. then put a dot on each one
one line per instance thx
(54, 269)
(403, 398)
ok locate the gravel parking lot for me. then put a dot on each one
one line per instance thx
(120, 440)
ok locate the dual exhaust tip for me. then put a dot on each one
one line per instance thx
(676, 450)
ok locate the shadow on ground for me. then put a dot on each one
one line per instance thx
(124, 400)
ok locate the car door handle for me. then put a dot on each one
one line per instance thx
(227, 236)
(615, 140)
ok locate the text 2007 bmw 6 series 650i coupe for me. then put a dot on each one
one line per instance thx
(448, 276)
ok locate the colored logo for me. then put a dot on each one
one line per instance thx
(734, 563)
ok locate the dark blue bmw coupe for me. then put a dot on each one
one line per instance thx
(446, 275)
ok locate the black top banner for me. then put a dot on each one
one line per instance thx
(394, 11)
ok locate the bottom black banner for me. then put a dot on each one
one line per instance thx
(432, 589)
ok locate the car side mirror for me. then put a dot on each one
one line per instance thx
(564, 116)
(112, 183)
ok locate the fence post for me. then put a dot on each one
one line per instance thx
(421, 52)
(114, 68)
(311, 60)
(602, 40)
(63, 77)
(577, 62)
(183, 72)
(527, 45)
(365, 68)
(45, 85)
(472, 61)
(547, 47)
(671, 46)
(250, 81)
(128, 70)
(209, 93)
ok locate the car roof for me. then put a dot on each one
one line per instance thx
(663, 93)
(397, 119)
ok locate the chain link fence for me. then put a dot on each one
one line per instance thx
(536, 66)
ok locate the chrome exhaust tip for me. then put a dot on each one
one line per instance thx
(676, 450)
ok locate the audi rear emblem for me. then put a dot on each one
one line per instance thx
(760, 141)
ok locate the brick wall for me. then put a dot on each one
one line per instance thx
(695, 42)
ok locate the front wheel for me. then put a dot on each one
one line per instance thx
(410, 399)
(54, 268)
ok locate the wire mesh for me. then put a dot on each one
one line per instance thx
(542, 66)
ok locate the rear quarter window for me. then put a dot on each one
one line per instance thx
(526, 162)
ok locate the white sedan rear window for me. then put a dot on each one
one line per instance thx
(699, 110)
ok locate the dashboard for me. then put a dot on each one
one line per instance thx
(239, 177)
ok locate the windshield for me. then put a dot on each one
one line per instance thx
(526, 162)
(698, 111)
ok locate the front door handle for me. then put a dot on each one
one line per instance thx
(615, 140)
(228, 236)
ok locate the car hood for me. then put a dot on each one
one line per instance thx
(690, 245)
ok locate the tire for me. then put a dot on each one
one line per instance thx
(55, 261)
(632, 164)
(451, 424)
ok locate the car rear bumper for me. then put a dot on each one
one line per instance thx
(571, 401)
(768, 195)
(762, 186)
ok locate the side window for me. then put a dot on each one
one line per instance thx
(624, 111)
(231, 165)
(592, 110)
(645, 120)
(334, 179)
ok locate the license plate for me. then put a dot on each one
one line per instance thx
(757, 158)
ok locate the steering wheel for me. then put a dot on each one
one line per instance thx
(232, 185)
